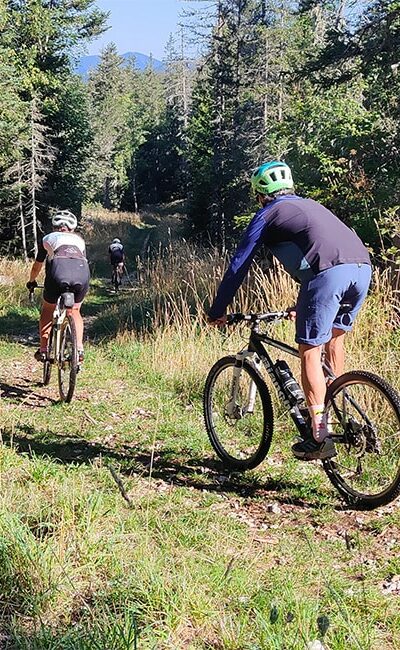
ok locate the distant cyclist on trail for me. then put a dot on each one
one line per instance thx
(331, 264)
(116, 253)
(66, 270)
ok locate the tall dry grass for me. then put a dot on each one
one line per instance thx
(99, 227)
(179, 284)
(14, 274)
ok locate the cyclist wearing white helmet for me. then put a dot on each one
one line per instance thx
(66, 270)
(116, 253)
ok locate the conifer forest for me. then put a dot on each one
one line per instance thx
(315, 83)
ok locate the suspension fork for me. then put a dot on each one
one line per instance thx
(232, 406)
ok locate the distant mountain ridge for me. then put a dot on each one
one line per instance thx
(89, 62)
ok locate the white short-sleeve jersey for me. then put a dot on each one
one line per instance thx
(54, 241)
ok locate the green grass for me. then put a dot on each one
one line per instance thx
(196, 557)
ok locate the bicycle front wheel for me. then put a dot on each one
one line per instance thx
(238, 414)
(48, 362)
(363, 412)
(68, 361)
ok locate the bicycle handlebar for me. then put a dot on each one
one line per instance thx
(270, 317)
(32, 291)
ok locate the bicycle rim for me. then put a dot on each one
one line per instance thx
(47, 363)
(68, 362)
(364, 415)
(239, 429)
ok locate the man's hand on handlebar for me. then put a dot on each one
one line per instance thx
(291, 313)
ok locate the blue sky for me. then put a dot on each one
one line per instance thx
(139, 25)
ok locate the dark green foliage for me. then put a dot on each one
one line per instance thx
(43, 124)
(72, 139)
(302, 84)
(307, 82)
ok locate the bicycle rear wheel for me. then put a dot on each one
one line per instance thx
(68, 362)
(364, 413)
(49, 355)
(116, 281)
(238, 417)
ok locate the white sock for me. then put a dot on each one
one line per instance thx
(318, 420)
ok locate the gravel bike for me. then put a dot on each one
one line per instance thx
(62, 348)
(363, 413)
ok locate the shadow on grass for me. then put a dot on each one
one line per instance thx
(205, 474)
(21, 393)
(18, 322)
(106, 313)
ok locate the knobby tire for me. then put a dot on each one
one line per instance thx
(68, 330)
(265, 434)
(49, 354)
(376, 441)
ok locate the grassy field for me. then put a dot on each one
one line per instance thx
(119, 529)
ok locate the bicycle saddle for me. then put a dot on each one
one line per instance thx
(67, 299)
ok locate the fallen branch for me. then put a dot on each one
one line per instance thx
(119, 484)
(89, 417)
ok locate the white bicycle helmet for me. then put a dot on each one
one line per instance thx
(116, 241)
(65, 218)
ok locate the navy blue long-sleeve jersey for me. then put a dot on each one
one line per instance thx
(302, 234)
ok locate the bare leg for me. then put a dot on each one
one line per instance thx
(46, 317)
(78, 320)
(314, 385)
(334, 351)
(312, 376)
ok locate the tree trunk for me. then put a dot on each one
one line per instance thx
(395, 271)
(33, 179)
(21, 213)
(107, 193)
(134, 188)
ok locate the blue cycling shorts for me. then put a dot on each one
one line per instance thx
(318, 303)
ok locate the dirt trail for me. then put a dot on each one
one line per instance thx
(264, 509)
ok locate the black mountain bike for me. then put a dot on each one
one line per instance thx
(363, 413)
(62, 348)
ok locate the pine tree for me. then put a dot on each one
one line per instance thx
(39, 37)
(111, 99)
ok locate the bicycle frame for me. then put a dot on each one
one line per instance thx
(257, 354)
(59, 315)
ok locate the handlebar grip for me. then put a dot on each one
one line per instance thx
(32, 291)
(232, 319)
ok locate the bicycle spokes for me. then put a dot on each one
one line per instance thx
(365, 427)
(68, 360)
(238, 414)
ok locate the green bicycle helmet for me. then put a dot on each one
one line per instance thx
(271, 177)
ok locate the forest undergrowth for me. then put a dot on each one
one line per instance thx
(119, 529)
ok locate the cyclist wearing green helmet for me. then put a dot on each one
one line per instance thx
(272, 177)
(332, 266)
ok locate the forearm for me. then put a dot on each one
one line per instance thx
(227, 289)
(35, 270)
